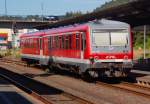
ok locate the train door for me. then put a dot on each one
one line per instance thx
(83, 43)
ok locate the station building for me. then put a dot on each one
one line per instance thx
(9, 39)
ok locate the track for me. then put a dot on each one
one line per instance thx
(45, 93)
(125, 86)
(13, 61)
(128, 87)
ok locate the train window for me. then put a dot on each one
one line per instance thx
(119, 38)
(60, 42)
(40, 43)
(77, 41)
(56, 41)
(31, 43)
(67, 42)
(49, 43)
(63, 42)
(70, 41)
(83, 40)
(37, 43)
(101, 38)
(27, 43)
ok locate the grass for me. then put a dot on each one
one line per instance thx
(13, 53)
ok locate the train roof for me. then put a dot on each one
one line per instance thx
(103, 24)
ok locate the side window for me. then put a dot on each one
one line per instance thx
(52, 40)
(63, 42)
(40, 43)
(37, 43)
(77, 41)
(49, 43)
(60, 42)
(67, 42)
(83, 40)
(70, 41)
(56, 41)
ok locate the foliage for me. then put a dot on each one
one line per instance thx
(15, 53)
(138, 39)
(111, 4)
(25, 18)
(72, 14)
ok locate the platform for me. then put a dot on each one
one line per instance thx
(144, 78)
(9, 94)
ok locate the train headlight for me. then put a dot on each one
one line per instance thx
(96, 58)
(125, 59)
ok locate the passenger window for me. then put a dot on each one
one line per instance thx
(60, 42)
(63, 42)
(67, 42)
(40, 43)
(70, 41)
(83, 41)
(56, 41)
(77, 41)
(53, 42)
(37, 44)
(49, 43)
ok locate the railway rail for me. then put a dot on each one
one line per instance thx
(45, 93)
(18, 62)
(129, 87)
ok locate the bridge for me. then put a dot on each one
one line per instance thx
(135, 12)
(21, 24)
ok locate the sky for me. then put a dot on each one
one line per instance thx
(50, 7)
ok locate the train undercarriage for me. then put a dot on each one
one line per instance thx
(93, 70)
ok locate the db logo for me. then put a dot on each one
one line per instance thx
(110, 57)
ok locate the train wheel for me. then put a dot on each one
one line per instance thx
(87, 76)
(49, 69)
(28, 63)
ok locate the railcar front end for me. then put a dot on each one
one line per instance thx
(111, 51)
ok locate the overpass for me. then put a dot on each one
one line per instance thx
(21, 24)
(135, 12)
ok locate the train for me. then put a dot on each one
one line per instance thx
(99, 48)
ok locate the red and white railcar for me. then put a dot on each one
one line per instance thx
(102, 47)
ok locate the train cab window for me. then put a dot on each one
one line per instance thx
(70, 41)
(67, 42)
(77, 41)
(63, 42)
